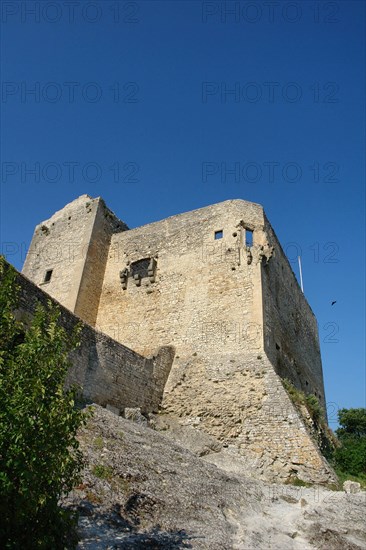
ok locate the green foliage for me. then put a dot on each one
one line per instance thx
(291, 390)
(310, 401)
(324, 436)
(98, 443)
(352, 421)
(350, 457)
(347, 453)
(315, 410)
(103, 472)
(39, 455)
(297, 482)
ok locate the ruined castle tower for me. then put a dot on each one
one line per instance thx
(215, 284)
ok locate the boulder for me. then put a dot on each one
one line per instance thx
(351, 486)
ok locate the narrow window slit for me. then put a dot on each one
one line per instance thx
(48, 276)
(248, 237)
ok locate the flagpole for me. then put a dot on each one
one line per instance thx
(301, 282)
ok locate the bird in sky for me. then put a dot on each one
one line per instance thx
(334, 302)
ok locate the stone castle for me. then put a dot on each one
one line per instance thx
(198, 316)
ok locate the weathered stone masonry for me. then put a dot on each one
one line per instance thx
(215, 285)
(107, 372)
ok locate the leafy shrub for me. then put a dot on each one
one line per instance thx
(320, 430)
(39, 455)
(352, 422)
(350, 457)
(315, 410)
(310, 401)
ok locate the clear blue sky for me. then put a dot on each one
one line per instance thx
(152, 105)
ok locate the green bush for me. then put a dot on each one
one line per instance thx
(39, 455)
(350, 456)
(352, 422)
(310, 401)
(323, 434)
(315, 410)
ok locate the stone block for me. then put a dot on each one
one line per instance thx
(351, 486)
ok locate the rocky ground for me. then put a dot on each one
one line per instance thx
(141, 489)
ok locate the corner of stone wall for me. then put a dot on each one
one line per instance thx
(299, 455)
(240, 401)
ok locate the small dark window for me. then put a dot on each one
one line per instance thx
(248, 237)
(277, 346)
(219, 234)
(48, 276)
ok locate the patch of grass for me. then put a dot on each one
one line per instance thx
(296, 395)
(98, 442)
(294, 480)
(313, 406)
(102, 471)
(310, 401)
(325, 437)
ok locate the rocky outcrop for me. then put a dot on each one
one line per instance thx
(142, 490)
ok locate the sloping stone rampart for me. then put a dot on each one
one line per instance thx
(107, 372)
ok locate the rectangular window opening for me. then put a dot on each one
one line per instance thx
(140, 267)
(48, 276)
(219, 234)
(248, 237)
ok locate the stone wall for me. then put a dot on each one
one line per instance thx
(205, 292)
(240, 400)
(73, 245)
(107, 372)
(207, 298)
(96, 254)
(290, 328)
(215, 285)
(203, 295)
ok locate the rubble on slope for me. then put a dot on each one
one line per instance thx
(142, 490)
